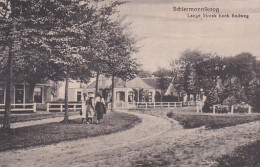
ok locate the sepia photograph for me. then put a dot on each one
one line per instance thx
(129, 83)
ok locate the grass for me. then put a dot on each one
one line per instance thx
(247, 155)
(34, 116)
(56, 132)
(191, 120)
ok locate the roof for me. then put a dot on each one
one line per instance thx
(152, 81)
(134, 83)
(145, 83)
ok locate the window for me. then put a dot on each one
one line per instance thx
(79, 96)
(130, 96)
(120, 96)
(19, 94)
(2, 94)
(38, 95)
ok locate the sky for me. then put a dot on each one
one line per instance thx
(163, 34)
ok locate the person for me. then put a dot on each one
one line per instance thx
(90, 109)
(83, 111)
(100, 107)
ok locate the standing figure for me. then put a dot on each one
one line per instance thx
(100, 107)
(83, 111)
(90, 108)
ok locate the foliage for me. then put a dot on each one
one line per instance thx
(241, 108)
(164, 80)
(144, 73)
(221, 108)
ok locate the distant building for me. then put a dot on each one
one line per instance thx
(135, 90)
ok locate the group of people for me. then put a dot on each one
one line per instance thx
(93, 109)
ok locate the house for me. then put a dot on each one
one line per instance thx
(135, 90)
(75, 91)
(20, 94)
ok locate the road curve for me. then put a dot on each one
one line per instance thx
(88, 151)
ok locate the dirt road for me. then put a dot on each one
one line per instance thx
(157, 141)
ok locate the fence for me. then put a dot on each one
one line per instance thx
(27, 107)
(60, 107)
(134, 105)
(190, 103)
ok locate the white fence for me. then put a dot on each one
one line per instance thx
(60, 107)
(134, 105)
(27, 107)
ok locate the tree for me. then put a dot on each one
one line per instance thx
(10, 25)
(120, 47)
(185, 72)
(98, 45)
(163, 81)
(144, 73)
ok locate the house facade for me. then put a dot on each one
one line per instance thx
(75, 91)
(135, 90)
(20, 94)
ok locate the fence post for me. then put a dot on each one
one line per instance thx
(48, 107)
(153, 104)
(61, 107)
(168, 105)
(74, 107)
(232, 109)
(145, 105)
(198, 108)
(214, 109)
(249, 110)
(34, 107)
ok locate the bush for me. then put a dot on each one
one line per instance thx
(241, 108)
(221, 109)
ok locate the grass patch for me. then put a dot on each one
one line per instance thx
(247, 155)
(56, 132)
(194, 120)
(34, 116)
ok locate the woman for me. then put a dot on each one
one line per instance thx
(100, 107)
(90, 108)
(83, 111)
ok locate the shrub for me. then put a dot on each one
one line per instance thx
(221, 109)
(241, 108)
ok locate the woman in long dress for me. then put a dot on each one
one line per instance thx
(83, 111)
(100, 107)
(90, 109)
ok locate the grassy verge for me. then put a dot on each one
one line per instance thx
(34, 116)
(195, 120)
(56, 132)
(247, 155)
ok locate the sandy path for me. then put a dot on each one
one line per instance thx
(41, 121)
(154, 142)
(80, 152)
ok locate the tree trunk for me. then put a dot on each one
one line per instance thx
(112, 101)
(31, 91)
(188, 98)
(97, 84)
(66, 114)
(7, 115)
(195, 97)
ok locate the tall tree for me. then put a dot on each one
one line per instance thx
(120, 47)
(10, 25)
